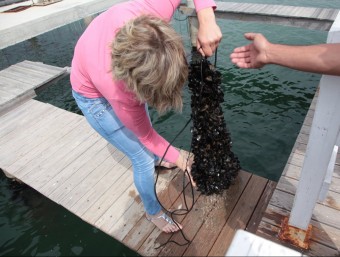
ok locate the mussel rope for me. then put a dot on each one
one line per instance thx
(186, 210)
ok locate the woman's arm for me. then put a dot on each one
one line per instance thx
(135, 118)
(209, 34)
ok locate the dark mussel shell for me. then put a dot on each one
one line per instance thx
(215, 166)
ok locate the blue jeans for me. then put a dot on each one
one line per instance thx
(103, 119)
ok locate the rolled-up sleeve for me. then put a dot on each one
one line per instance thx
(201, 4)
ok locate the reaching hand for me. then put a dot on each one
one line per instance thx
(185, 161)
(252, 55)
(209, 34)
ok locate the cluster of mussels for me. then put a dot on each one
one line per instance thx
(215, 166)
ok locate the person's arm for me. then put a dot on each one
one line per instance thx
(135, 118)
(209, 33)
(320, 58)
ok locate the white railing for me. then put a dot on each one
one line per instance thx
(322, 146)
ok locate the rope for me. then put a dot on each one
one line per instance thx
(187, 209)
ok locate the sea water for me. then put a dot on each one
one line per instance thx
(264, 110)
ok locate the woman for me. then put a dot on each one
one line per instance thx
(130, 57)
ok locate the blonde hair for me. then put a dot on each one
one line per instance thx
(148, 55)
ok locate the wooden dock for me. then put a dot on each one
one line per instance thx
(19, 82)
(18, 26)
(295, 16)
(325, 240)
(58, 154)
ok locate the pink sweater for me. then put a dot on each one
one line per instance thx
(91, 76)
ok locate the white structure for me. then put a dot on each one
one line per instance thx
(248, 244)
(322, 147)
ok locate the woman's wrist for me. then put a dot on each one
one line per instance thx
(206, 16)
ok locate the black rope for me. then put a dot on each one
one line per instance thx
(187, 209)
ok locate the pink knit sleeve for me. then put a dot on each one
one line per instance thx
(135, 118)
(201, 4)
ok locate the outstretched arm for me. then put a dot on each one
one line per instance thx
(321, 58)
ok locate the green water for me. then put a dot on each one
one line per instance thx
(264, 110)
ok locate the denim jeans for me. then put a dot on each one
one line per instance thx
(103, 119)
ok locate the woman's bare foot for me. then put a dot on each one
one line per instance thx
(164, 222)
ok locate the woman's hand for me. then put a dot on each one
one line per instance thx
(184, 162)
(209, 34)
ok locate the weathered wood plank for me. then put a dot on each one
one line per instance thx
(270, 232)
(19, 141)
(13, 27)
(215, 214)
(62, 158)
(148, 247)
(42, 150)
(240, 215)
(169, 198)
(109, 197)
(323, 214)
(289, 185)
(75, 172)
(102, 176)
(261, 207)
(321, 233)
(19, 81)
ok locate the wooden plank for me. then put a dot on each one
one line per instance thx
(8, 104)
(321, 213)
(109, 197)
(166, 180)
(13, 82)
(322, 234)
(20, 143)
(114, 165)
(18, 82)
(138, 237)
(24, 76)
(42, 150)
(289, 185)
(22, 118)
(215, 213)
(293, 171)
(261, 207)
(40, 67)
(270, 232)
(62, 158)
(240, 215)
(13, 27)
(296, 16)
(157, 240)
(126, 223)
(73, 174)
(11, 90)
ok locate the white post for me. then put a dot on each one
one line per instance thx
(322, 138)
(193, 24)
(329, 174)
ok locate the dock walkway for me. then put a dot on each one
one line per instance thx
(58, 154)
(19, 82)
